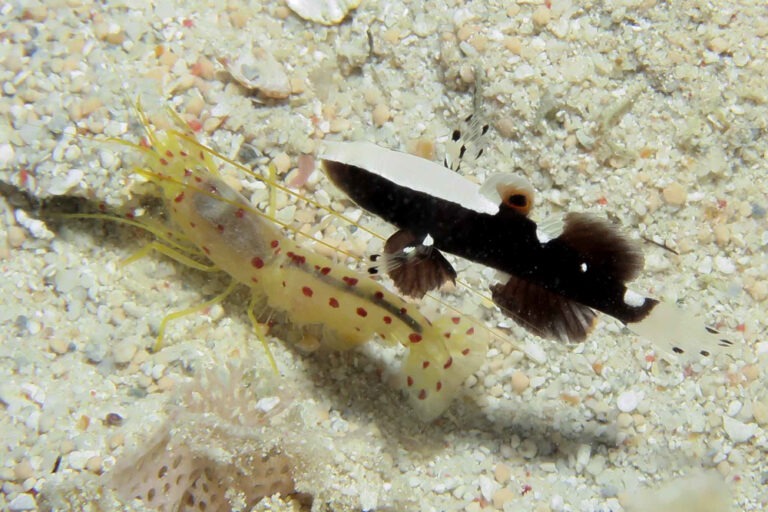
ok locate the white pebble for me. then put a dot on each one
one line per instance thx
(535, 352)
(35, 227)
(267, 404)
(724, 265)
(22, 502)
(556, 503)
(7, 155)
(78, 459)
(63, 184)
(628, 401)
(72, 153)
(124, 351)
(583, 455)
(487, 487)
(737, 431)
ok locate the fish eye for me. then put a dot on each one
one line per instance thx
(518, 199)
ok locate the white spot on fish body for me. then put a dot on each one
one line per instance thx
(583, 267)
(428, 241)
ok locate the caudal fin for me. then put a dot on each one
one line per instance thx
(440, 361)
(678, 333)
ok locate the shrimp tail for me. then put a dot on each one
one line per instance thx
(433, 373)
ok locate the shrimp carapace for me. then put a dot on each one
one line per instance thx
(308, 288)
(554, 280)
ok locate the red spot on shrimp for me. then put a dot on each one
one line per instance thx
(456, 320)
(192, 225)
(422, 394)
(187, 173)
(201, 155)
(164, 161)
(198, 179)
(169, 153)
(403, 311)
(220, 228)
(471, 331)
(414, 337)
(425, 364)
(188, 23)
(351, 281)
(387, 320)
(297, 259)
(240, 213)
(255, 280)
(179, 198)
(333, 302)
(257, 262)
(195, 125)
(325, 270)
(206, 250)
(307, 291)
(448, 363)
(409, 381)
(362, 312)
(183, 153)
(465, 352)
(378, 295)
(438, 386)
(526, 489)
(274, 243)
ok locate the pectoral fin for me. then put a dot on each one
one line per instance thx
(543, 312)
(415, 266)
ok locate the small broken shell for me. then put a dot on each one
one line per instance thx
(259, 71)
(327, 12)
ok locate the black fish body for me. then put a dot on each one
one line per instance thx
(553, 282)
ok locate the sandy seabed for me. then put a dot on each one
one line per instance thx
(651, 114)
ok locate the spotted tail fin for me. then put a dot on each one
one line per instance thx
(678, 333)
(433, 372)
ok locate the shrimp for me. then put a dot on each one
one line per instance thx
(289, 278)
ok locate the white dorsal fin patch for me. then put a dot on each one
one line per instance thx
(411, 172)
(550, 228)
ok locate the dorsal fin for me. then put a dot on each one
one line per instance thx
(602, 246)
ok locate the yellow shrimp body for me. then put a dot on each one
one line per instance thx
(309, 288)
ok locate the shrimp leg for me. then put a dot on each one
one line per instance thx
(174, 254)
(184, 312)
